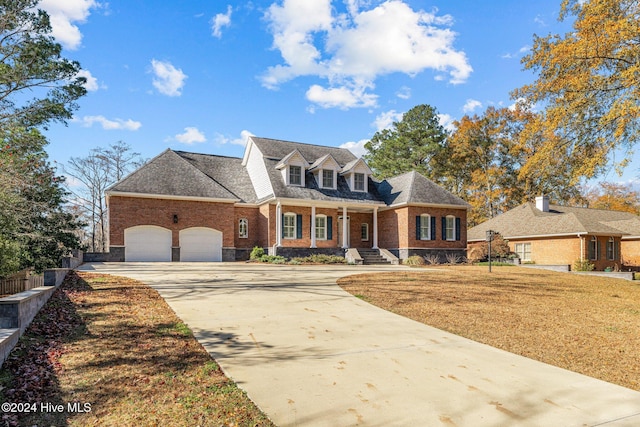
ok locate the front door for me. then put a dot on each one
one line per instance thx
(340, 242)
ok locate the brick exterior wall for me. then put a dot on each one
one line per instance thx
(125, 212)
(397, 228)
(566, 250)
(630, 250)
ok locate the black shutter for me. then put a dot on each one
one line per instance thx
(444, 228)
(329, 228)
(457, 228)
(298, 226)
(432, 230)
(418, 224)
(282, 225)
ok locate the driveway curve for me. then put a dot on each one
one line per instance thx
(309, 354)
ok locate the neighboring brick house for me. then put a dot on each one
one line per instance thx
(290, 198)
(560, 235)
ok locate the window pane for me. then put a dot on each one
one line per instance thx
(289, 226)
(450, 228)
(327, 178)
(425, 223)
(321, 227)
(358, 182)
(243, 229)
(364, 232)
(295, 175)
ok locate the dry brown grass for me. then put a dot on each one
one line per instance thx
(586, 324)
(135, 362)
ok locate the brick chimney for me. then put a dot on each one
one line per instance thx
(542, 203)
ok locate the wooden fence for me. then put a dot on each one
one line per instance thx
(18, 284)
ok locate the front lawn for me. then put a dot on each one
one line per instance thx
(586, 324)
(109, 351)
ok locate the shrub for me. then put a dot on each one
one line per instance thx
(583, 265)
(432, 259)
(272, 259)
(256, 253)
(414, 260)
(453, 258)
(320, 259)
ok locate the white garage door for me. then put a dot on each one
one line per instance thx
(200, 244)
(147, 243)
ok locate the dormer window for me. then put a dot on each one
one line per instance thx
(295, 175)
(327, 178)
(358, 181)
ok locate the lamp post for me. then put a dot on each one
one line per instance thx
(490, 234)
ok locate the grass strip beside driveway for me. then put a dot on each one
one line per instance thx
(585, 324)
(113, 343)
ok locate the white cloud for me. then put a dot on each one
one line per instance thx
(385, 120)
(357, 148)
(404, 92)
(191, 135)
(64, 14)
(168, 79)
(341, 97)
(471, 105)
(220, 21)
(116, 124)
(446, 121)
(352, 51)
(91, 84)
(242, 140)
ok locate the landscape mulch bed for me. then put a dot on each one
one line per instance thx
(114, 349)
(586, 324)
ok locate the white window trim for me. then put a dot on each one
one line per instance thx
(427, 217)
(364, 182)
(612, 242)
(594, 241)
(244, 235)
(453, 228)
(520, 251)
(316, 228)
(333, 174)
(284, 227)
(288, 171)
(364, 226)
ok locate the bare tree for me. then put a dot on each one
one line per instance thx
(91, 177)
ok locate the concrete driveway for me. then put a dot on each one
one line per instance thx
(309, 354)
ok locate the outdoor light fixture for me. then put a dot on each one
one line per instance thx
(175, 218)
(490, 234)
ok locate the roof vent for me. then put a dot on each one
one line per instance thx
(542, 203)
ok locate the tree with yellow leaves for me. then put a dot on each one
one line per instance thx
(587, 85)
(613, 196)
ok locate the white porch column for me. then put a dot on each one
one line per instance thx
(278, 225)
(313, 226)
(345, 228)
(375, 228)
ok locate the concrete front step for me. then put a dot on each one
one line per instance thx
(372, 257)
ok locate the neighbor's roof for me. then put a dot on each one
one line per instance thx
(178, 173)
(526, 221)
(413, 187)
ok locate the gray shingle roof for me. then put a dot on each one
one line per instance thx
(527, 220)
(413, 187)
(277, 149)
(170, 174)
(313, 192)
(178, 173)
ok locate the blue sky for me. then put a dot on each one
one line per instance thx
(202, 75)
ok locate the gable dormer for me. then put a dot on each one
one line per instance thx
(325, 170)
(293, 167)
(357, 174)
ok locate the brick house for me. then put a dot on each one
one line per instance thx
(291, 198)
(560, 235)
